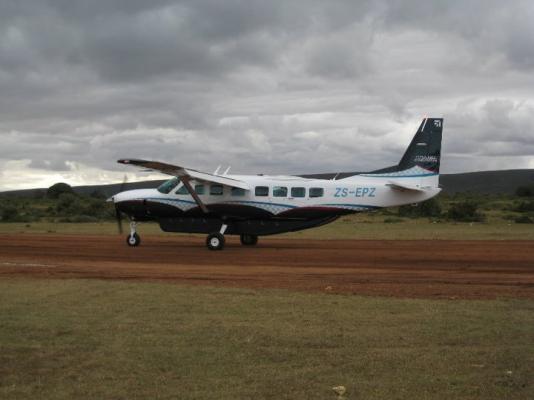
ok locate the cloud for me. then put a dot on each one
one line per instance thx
(276, 87)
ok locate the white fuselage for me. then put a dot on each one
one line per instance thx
(357, 193)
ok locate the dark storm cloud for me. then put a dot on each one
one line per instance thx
(261, 85)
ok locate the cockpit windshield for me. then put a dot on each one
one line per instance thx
(167, 186)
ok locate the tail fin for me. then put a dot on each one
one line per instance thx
(422, 157)
(425, 149)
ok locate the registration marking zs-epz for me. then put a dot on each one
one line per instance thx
(357, 192)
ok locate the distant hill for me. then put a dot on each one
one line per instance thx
(483, 182)
(487, 182)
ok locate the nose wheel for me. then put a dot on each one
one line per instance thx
(133, 239)
(215, 240)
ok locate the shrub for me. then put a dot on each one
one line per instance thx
(67, 203)
(523, 219)
(9, 213)
(429, 208)
(525, 206)
(465, 211)
(525, 191)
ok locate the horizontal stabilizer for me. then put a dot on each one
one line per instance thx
(404, 187)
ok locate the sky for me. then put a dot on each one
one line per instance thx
(273, 87)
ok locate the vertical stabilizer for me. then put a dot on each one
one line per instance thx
(425, 149)
(421, 159)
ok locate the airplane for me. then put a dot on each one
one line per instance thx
(250, 206)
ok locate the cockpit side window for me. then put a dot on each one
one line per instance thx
(167, 186)
(238, 192)
(182, 190)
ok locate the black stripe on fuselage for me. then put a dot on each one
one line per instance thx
(143, 210)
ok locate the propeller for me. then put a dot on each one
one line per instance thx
(118, 214)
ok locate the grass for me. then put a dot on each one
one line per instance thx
(362, 226)
(115, 340)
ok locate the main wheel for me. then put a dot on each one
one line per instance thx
(249, 240)
(215, 241)
(133, 240)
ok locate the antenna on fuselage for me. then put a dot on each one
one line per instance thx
(217, 170)
(227, 170)
(335, 177)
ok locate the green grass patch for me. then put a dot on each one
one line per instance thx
(115, 340)
(361, 226)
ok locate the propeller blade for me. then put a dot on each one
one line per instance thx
(118, 215)
(124, 182)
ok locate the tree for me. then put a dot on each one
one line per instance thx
(58, 189)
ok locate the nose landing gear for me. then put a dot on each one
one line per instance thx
(133, 239)
(215, 240)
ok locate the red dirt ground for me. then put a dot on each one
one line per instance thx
(422, 269)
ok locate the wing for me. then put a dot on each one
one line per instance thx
(186, 173)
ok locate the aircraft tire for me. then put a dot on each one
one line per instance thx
(215, 241)
(249, 240)
(133, 240)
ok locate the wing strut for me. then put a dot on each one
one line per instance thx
(194, 194)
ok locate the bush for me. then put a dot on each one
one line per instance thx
(429, 208)
(525, 206)
(523, 219)
(67, 203)
(9, 213)
(465, 211)
(58, 189)
(525, 191)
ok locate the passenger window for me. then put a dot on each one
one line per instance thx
(316, 192)
(298, 192)
(279, 191)
(216, 190)
(182, 190)
(238, 192)
(262, 191)
(199, 189)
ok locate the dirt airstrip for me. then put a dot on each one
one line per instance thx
(425, 269)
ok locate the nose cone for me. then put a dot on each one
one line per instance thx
(135, 195)
(132, 202)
